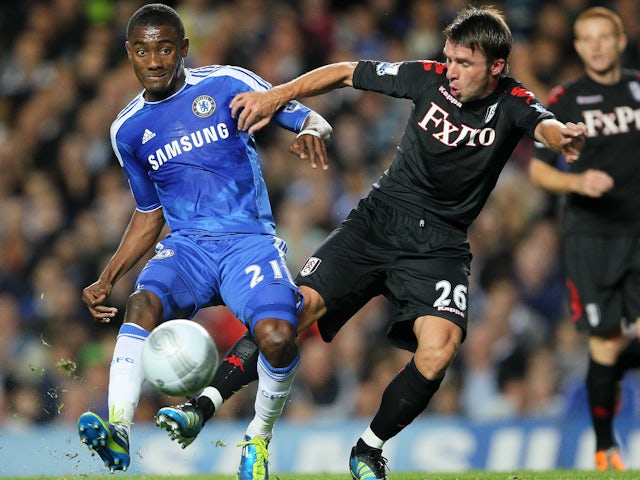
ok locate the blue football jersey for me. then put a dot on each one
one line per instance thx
(186, 155)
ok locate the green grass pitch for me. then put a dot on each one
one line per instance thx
(472, 475)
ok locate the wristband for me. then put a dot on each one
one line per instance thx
(308, 132)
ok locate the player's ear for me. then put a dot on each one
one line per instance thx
(184, 50)
(622, 42)
(127, 47)
(497, 66)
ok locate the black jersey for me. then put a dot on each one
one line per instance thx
(612, 116)
(451, 154)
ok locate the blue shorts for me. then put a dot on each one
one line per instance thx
(190, 273)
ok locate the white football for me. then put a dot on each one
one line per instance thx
(179, 357)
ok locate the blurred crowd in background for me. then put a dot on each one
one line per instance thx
(64, 203)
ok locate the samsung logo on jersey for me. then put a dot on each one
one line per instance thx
(186, 143)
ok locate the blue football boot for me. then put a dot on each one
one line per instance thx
(254, 464)
(109, 440)
(183, 422)
(370, 465)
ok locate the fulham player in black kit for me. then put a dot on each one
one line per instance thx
(601, 219)
(407, 240)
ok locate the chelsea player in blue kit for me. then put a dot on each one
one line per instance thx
(190, 168)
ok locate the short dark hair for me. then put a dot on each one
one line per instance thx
(482, 28)
(156, 14)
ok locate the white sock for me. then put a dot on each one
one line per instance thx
(212, 394)
(274, 385)
(372, 439)
(126, 374)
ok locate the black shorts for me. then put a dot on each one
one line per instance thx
(603, 278)
(380, 249)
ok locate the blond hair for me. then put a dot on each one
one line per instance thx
(600, 12)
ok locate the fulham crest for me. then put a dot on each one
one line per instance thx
(491, 111)
(310, 267)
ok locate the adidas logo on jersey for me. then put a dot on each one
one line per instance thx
(148, 135)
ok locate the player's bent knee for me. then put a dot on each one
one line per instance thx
(433, 362)
(272, 318)
(276, 340)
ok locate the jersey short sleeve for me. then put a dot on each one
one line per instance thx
(556, 103)
(290, 117)
(400, 79)
(526, 111)
(141, 185)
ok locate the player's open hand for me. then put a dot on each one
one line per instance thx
(253, 110)
(311, 147)
(573, 140)
(94, 296)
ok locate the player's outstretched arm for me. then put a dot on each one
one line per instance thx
(565, 138)
(591, 183)
(254, 110)
(141, 234)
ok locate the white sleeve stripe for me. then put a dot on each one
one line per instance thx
(119, 121)
(241, 74)
(152, 209)
(132, 104)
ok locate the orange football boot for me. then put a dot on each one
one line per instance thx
(609, 460)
